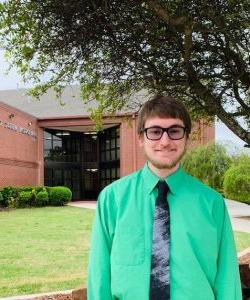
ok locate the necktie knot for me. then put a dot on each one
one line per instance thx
(162, 188)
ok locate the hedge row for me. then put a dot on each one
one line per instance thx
(34, 196)
(226, 173)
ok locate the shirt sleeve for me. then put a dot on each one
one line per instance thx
(99, 283)
(227, 283)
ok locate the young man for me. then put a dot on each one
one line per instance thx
(194, 257)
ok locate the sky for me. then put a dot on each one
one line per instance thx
(13, 81)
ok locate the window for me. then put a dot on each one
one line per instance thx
(109, 156)
(52, 146)
(85, 162)
(110, 144)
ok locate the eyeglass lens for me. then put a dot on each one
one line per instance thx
(174, 132)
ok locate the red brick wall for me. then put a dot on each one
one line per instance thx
(18, 149)
(127, 147)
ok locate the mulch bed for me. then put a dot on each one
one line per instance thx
(77, 294)
(4, 209)
(55, 297)
(245, 259)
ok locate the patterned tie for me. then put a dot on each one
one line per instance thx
(160, 269)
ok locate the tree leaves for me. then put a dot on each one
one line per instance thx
(198, 52)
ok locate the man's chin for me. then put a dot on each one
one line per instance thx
(167, 164)
(164, 166)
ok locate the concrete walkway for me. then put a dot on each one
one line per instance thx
(83, 204)
(239, 213)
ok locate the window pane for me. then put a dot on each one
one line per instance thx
(48, 174)
(102, 156)
(57, 143)
(113, 143)
(67, 174)
(107, 144)
(102, 144)
(102, 174)
(57, 174)
(107, 173)
(76, 174)
(113, 173)
(107, 155)
(113, 155)
(47, 135)
(46, 154)
(47, 144)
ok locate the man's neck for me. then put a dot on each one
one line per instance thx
(163, 173)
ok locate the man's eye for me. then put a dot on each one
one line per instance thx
(155, 131)
(174, 130)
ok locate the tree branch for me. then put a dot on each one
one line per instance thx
(213, 106)
(238, 98)
(178, 22)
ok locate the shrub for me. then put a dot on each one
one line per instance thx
(37, 189)
(1, 200)
(12, 202)
(59, 195)
(8, 193)
(208, 163)
(41, 198)
(25, 196)
(236, 183)
(241, 159)
(24, 188)
(25, 199)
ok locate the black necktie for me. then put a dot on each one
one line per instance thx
(160, 271)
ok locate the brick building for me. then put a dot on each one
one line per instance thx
(43, 142)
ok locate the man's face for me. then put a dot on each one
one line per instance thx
(163, 153)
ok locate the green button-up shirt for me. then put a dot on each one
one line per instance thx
(203, 263)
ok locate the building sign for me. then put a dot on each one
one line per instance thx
(19, 129)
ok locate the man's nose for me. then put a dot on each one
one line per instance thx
(165, 138)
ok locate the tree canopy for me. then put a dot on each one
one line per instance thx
(197, 51)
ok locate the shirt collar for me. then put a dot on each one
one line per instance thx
(174, 180)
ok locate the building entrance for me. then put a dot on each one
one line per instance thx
(83, 161)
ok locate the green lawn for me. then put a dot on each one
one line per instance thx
(43, 249)
(242, 240)
(46, 249)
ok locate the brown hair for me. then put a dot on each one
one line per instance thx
(163, 107)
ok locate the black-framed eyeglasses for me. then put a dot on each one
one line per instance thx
(174, 132)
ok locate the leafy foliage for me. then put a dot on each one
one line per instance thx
(41, 198)
(9, 194)
(24, 199)
(208, 163)
(1, 200)
(195, 50)
(241, 159)
(59, 195)
(29, 196)
(237, 182)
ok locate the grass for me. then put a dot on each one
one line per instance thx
(242, 240)
(43, 249)
(46, 249)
